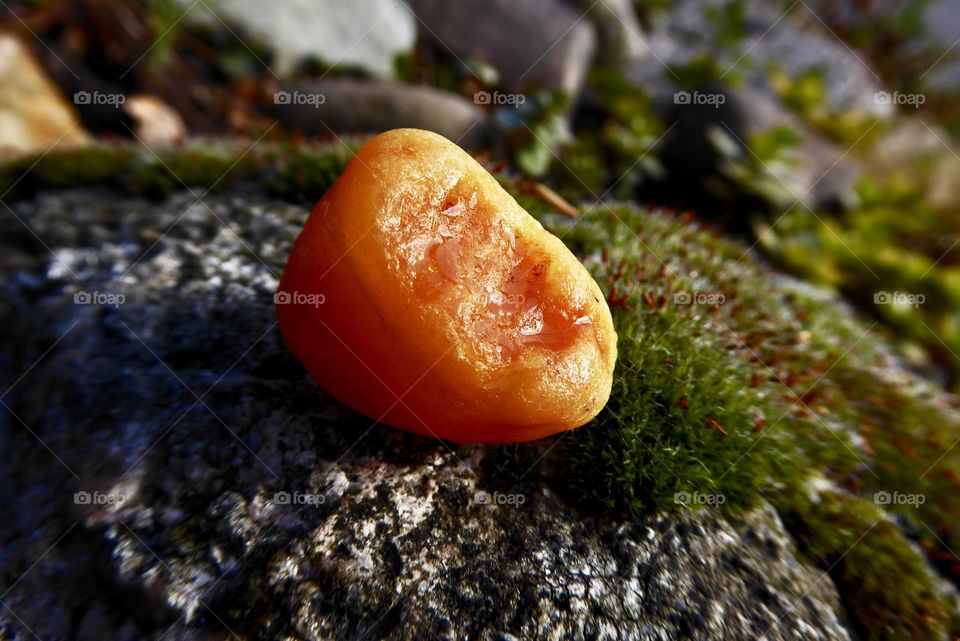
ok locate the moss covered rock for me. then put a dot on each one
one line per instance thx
(227, 493)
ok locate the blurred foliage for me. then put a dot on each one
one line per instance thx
(647, 10)
(892, 246)
(607, 158)
(413, 68)
(758, 172)
(806, 95)
(164, 19)
(703, 69)
(889, 37)
(889, 237)
(730, 19)
(542, 134)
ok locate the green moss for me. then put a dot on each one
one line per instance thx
(911, 432)
(197, 168)
(698, 403)
(682, 424)
(301, 173)
(803, 362)
(82, 166)
(883, 581)
(295, 171)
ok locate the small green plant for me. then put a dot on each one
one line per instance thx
(614, 157)
(543, 135)
(163, 19)
(806, 95)
(758, 171)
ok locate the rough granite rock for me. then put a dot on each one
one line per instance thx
(620, 38)
(373, 106)
(367, 35)
(227, 495)
(536, 44)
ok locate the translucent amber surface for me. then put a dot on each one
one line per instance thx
(422, 295)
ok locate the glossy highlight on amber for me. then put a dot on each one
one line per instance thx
(422, 295)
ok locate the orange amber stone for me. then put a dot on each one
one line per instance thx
(422, 295)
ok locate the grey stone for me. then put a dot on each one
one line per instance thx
(533, 44)
(356, 106)
(797, 43)
(817, 172)
(942, 34)
(189, 536)
(366, 35)
(706, 141)
(931, 53)
(620, 39)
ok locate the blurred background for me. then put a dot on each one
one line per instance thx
(820, 135)
(822, 132)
